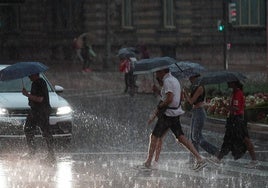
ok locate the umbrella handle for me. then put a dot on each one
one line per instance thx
(22, 82)
(179, 67)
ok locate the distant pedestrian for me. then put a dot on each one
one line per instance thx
(144, 52)
(126, 66)
(169, 111)
(87, 54)
(197, 99)
(78, 44)
(38, 116)
(236, 137)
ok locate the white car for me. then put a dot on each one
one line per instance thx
(14, 109)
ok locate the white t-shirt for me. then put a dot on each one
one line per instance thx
(133, 60)
(171, 84)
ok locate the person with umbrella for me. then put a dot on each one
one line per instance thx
(38, 116)
(127, 61)
(87, 54)
(169, 111)
(236, 137)
(196, 99)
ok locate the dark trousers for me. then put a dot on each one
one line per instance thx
(40, 119)
(235, 133)
(130, 82)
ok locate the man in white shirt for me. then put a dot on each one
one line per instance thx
(170, 118)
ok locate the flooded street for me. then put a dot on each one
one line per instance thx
(110, 139)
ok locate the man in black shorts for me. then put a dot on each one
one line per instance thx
(38, 116)
(170, 118)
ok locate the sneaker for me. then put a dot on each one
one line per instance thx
(214, 160)
(252, 164)
(146, 165)
(199, 165)
(143, 166)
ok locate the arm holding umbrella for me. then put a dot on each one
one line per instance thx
(155, 112)
(196, 94)
(31, 97)
(158, 92)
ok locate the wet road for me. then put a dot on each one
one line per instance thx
(110, 139)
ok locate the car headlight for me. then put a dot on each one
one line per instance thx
(64, 110)
(3, 111)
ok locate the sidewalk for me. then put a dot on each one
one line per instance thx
(72, 79)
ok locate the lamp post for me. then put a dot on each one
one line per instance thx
(107, 36)
(225, 35)
(229, 17)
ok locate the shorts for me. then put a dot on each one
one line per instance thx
(166, 122)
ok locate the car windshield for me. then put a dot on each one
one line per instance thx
(18, 84)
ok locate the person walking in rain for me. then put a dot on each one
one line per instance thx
(126, 66)
(38, 116)
(78, 44)
(196, 99)
(170, 118)
(236, 132)
(87, 54)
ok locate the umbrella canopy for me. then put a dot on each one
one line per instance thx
(218, 77)
(126, 52)
(153, 64)
(186, 69)
(21, 69)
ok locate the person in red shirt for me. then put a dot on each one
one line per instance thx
(236, 114)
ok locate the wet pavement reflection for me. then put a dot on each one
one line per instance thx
(110, 139)
(120, 170)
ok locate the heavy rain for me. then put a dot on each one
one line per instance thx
(91, 50)
(110, 138)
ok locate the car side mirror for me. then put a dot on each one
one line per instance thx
(58, 89)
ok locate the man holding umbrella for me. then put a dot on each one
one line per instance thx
(38, 116)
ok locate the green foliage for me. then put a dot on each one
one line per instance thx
(253, 87)
(218, 90)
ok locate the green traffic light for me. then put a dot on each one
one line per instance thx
(221, 27)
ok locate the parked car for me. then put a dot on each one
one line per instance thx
(14, 109)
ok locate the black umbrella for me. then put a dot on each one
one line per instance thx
(218, 77)
(21, 69)
(153, 64)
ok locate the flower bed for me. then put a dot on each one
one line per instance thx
(256, 107)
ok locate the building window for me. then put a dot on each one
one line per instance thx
(9, 18)
(251, 13)
(127, 14)
(168, 13)
(65, 14)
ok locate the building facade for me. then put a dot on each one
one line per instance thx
(43, 30)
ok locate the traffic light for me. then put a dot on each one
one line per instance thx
(232, 12)
(220, 26)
